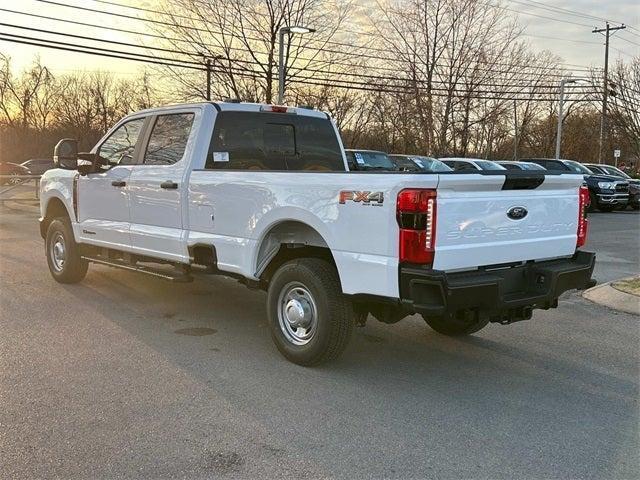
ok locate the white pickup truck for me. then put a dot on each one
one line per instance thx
(264, 194)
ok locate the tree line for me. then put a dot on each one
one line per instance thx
(440, 78)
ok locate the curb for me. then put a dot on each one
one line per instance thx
(610, 297)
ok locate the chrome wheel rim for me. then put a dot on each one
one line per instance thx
(58, 252)
(297, 313)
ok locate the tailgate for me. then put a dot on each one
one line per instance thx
(493, 219)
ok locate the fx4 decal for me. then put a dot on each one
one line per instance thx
(366, 198)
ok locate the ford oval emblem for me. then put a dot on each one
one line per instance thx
(517, 213)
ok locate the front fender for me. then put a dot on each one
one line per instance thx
(57, 189)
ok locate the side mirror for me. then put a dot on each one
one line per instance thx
(65, 154)
(89, 163)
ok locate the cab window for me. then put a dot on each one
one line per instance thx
(119, 147)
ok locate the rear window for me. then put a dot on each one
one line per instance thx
(577, 167)
(370, 160)
(405, 163)
(273, 141)
(457, 165)
(532, 166)
(489, 165)
(428, 164)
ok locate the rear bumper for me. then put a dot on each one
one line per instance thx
(503, 295)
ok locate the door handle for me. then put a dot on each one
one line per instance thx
(169, 185)
(118, 183)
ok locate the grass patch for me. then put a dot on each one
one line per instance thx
(630, 285)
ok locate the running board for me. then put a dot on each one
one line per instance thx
(178, 277)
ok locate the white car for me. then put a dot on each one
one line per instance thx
(263, 193)
(459, 164)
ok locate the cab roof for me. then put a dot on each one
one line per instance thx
(234, 106)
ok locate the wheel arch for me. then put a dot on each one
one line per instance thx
(55, 207)
(286, 240)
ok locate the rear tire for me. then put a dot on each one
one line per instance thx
(311, 320)
(63, 253)
(454, 327)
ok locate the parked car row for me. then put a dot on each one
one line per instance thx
(609, 187)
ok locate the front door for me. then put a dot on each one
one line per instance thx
(103, 198)
(156, 188)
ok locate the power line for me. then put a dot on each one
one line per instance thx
(209, 31)
(530, 69)
(537, 89)
(553, 19)
(101, 54)
(380, 88)
(563, 10)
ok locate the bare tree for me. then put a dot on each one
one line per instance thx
(240, 37)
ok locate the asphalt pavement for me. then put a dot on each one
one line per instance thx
(126, 376)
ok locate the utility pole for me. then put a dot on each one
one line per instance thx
(515, 125)
(605, 94)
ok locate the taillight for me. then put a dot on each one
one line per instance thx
(583, 223)
(416, 215)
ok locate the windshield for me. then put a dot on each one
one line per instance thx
(615, 171)
(531, 166)
(577, 167)
(365, 160)
(428, 164)
(488, 165)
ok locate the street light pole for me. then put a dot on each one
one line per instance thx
(281, 65)
(281, 34)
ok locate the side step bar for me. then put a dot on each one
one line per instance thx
(178, 277)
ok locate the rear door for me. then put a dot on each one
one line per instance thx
(157, 184)
(487, 220)
(103, 198)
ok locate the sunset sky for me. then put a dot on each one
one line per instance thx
(574, 43)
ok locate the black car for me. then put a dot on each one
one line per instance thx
(37, 166)
(418, 163)
(10, 173)
(634, 184)
(369, 160)
(606, 192)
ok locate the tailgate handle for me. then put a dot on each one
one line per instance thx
(169, 185)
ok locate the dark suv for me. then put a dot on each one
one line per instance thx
(606, 191)
(634, 185)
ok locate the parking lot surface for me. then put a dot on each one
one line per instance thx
(129, 376)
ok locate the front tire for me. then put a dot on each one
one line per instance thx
(63, 253)
(454, 327)
(311, 320)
